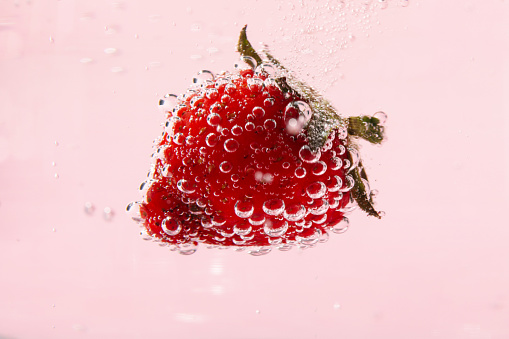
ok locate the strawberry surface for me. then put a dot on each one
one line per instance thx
(234, 167)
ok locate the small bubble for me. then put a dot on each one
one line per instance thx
(230, 88)
(258, 112)
(54, 230)
(108, 214)
(269, 124)
(381, 116)
(307, 155)
(236, 130)
(211, 93)
(89, 208)
(231, 145)
(269, 102)
(275, 228)
(340, 226)
(334, 183)
(336, 163)
(300, 172)
(246, 62)
(257, 219)
(255, 84)
(319, 168)
(249, 126)
(244, 209)
(110, 50)
(188, 248)
(225, 166)
(185, 186)
(294, 212)
(171, 226)
(211, 140)
(56, 176)
(213, 119)
(206, 222)
(316, 190)
(179, 138)
(274, 207)
(242, 228)
(203, 77)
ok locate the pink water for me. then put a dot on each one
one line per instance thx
(79, 86)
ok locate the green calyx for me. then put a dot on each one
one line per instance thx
(324, 121)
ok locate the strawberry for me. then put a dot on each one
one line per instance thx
(254, 159)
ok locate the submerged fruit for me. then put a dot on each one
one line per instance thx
(254, 159)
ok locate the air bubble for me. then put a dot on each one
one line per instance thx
(179, 138)
(310, 239)
(236, 130)
(355, 156)
(300, 172)
(211, 93)
(246, 62)
(108, 213)
(334, 183)
(307, 155)
(249, 126)
(340, 225)
(188, 248)
(349, 183)
(203, 77)
(211, 140)
(297, 115)
(242, 228)
(275, 228)
(265, 69)
(269, 124)
(235, 177)
(258, 112)
(269, 102)
(230, 88)
(257, 219)
(274, 207)
(218, 220)
(294, 212)
(286, 165)
(244, 209)
(168, 102)
(185, 186)
(381, 116)
(319, 207)
(319, 168)
(90, 208)
(225, 166)
(255, 84)
(231, 145)
(336, 163)
(171, 226)
(206, 222)
(213, 119)
(258, 252)
(316, 190)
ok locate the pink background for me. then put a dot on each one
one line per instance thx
(79, 86)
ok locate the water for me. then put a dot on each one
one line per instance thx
(79, 97)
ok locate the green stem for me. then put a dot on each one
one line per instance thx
(359, 191)
(367, 128)
(245, 48)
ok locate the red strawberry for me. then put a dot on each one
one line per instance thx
(255, 159)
